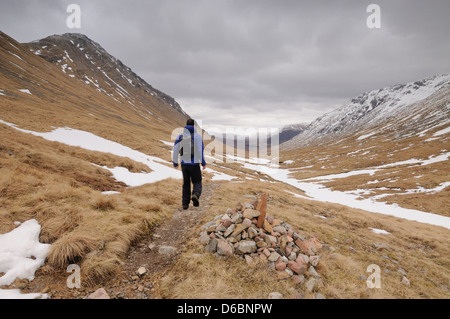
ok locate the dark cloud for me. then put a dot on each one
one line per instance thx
(225, 61)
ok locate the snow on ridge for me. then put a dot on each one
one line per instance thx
(369, 110)
(442, 132)
(25, 91)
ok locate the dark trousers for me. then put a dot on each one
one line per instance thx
(191, 173)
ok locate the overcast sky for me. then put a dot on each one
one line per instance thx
(254, 63)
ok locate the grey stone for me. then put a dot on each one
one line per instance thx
(237, 218)
(229, 230)
(313, 272)
(141, 271)
(402, 271)
(275, 295)
(167, 250)
(274, 256)
(212, 246)
(246, 247)
(204, 238)
(208, 224)
(252, 232)
(310, 284)
(314, 260)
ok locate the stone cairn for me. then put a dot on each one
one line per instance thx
(247, 231)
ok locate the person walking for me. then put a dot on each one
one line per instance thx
(190, 148)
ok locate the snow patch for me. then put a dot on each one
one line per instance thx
(442, 132)
(21, 255)
(379, 231)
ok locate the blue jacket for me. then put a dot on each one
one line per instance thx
(186, 158)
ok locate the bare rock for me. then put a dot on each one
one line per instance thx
(406, 281)
(296, 267)
(167, 250)
(310, 284)
(141, 271)
(224, 248)
(275, 295)
(212, 246)
(99, 294)
(204, 238)
(246, 247)
(250, 213)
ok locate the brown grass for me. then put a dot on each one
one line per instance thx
(60, 188)
(417, 248)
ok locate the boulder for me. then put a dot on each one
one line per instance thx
(212, 246)
(224, 248)
(246, 247)
(296, 267)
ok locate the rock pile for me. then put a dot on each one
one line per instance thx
(248, 232)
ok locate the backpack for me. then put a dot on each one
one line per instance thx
(192, 145)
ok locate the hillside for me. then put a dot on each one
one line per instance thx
(38, 94)
(401, 110)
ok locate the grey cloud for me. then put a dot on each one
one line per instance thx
(289, 60)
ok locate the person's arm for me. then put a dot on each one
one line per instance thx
(203, 155)
(176, 151)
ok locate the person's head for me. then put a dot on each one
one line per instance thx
(190, 122)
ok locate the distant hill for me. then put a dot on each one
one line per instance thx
(288, 132)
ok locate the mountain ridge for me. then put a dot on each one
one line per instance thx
(95, 66)
(371, 109)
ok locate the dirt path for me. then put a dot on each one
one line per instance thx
(158, 252)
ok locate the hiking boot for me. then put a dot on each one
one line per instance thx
(194, 198)
(185, 207)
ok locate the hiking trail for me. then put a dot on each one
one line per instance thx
(155, 254)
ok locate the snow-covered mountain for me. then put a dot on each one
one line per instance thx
(288, 132)
(85, 60)
(401, 110)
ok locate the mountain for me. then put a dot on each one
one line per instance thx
(288, 132)
(400, 110)
(71, 81)
(85, 60)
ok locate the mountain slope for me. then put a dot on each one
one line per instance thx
(83, 59)
(116, 104)
(383, 109)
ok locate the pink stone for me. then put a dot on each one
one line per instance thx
(280, 265)
(296, 267)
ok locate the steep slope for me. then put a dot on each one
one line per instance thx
(392, 108)
(388, 145)
(83, 59)
(62, 184)
(116, 104)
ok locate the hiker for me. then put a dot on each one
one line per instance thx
(189, 146)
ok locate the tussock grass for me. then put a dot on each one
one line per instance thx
(59, 187)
